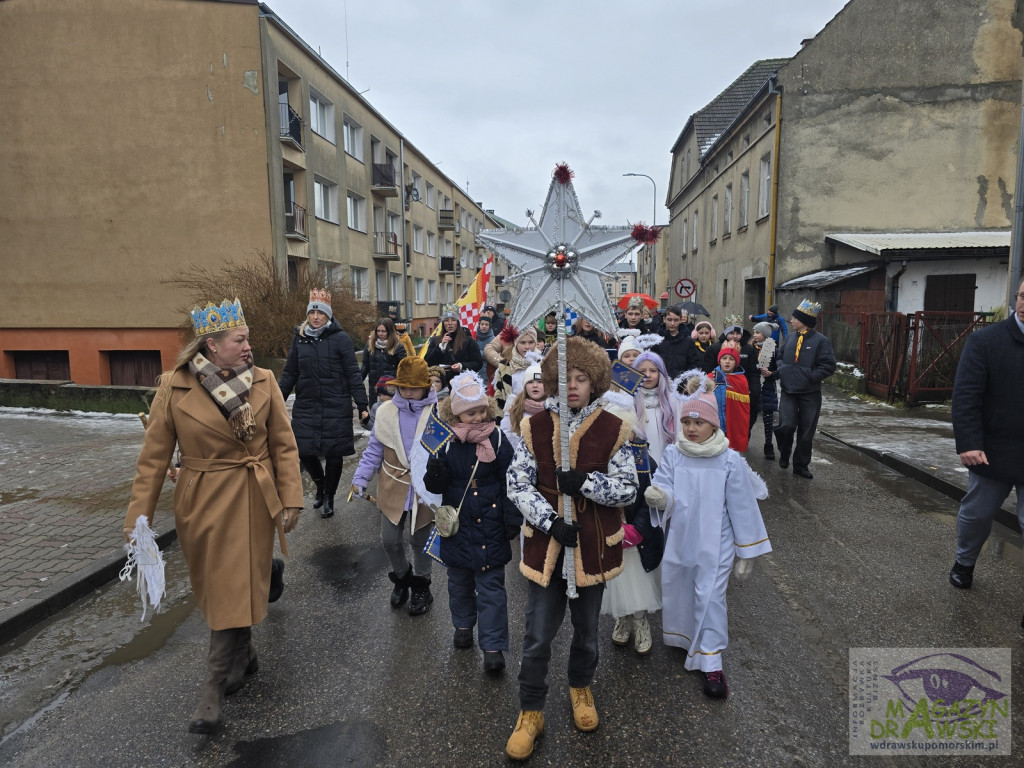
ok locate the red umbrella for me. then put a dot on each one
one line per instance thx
(648, 301)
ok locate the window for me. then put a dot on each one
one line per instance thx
(331, 271)
(725, 292)
(361, 283)
(687, 166)
(321, 116)
(744, 197)
(727, 219)
(417, 238)
(714, 218)
(421, 294)
(683, 238)
(382, 284)
(431, 244)
(325, 195)
(764, 194)
(353, 138)
(608, 288)
(417, 183)
(695, 230)
(431, 204)
(394, 223)
(432, 291)
(623, 287)
(396, 287)
(356, 212)
(449, 292)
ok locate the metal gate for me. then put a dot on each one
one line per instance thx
(883, 347)
(937, 340)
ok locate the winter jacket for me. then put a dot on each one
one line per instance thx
(324, 374)
(769, 392)
(379, 362)
(483, 339)
(700, 358)
(638, 513)
(781, 333)
(988, 410)
(468, 356)
(675, 351)
(481, 542)
(817, 362)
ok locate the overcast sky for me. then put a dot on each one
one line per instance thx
(498, 91)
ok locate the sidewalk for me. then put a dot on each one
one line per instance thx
(65, 480)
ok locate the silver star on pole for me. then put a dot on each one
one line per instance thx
(562, 245)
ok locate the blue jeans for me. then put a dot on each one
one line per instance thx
(545, 613)
(984, 497)
(480, 596)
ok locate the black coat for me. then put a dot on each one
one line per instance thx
(481, 542)
(988, 409)
(675, 351)
(324, 374)
(817, 362)
(377, 363)
(638, 514)
(469, 356)
(769, 392)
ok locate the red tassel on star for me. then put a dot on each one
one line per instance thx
(563, 173)
(646, 235)
(508, 334)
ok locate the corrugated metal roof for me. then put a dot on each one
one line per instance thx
(824, 277)
(879, 242)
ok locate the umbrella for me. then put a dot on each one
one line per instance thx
(694, 308)
(648, 301)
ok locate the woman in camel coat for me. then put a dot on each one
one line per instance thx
(239, 483)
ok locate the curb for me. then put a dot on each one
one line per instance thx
(923, 476)
(32, 611)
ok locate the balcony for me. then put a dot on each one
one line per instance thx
(291, 125)
(385, 246)
(446, 219)
(295, 222)
(447, 265)
(384, 181)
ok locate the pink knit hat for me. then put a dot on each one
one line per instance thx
(467, 391)
(694, 394)
(702, 406)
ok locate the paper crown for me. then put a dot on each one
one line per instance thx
(635, 302)
(809, 308)
(732, 320)
(449, 310)
(214, 319)
(319, 295)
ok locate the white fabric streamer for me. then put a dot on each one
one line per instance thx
(145, 555)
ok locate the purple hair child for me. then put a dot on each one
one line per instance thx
(668, 421)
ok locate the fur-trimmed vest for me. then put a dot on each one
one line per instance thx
(599, 554)
(394, 479)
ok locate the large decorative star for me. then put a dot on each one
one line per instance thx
(562, 245)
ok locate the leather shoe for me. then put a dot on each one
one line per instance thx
(802, 472)
(962, 576)
(784, 461)
(494, 662)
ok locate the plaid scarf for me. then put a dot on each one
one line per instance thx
(229, 389)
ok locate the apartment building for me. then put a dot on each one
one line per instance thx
(145, 137)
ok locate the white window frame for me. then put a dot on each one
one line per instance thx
(353, 138)
(395, 286)
(361, 283)
(714, 218)
(431, 245)
(696, 229)
(325, 197)
(430, 198)
(356, 212)
(380, 276)
(417, 238)
(727, 213)
(764, 192)
(432, 291)
(744, 198)
(321, 115)
(420, 292)
(683, 238)
(417, 184)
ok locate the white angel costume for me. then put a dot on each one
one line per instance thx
(712, 517)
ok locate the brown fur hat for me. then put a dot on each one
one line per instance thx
(584, 355)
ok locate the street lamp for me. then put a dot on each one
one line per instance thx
(654, 221)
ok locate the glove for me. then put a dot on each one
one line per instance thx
(743, 568)
(631, 536)
(566, 534)
(511, 532)
(656, 497)
(436, 477)
(570, 481)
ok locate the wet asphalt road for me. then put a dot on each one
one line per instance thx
(861, 557)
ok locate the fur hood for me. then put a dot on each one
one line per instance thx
(584, 355)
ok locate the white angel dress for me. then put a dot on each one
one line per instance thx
(711, 519)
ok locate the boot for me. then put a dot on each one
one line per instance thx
(529, 727)
(769, 451)
(276, 580)
(245, 663)
(223, 643)
(328, 508)
(620, 632)
(421, 597)
(318, 501)
(494, 662)
(642, 639)
(961, 576)
(401, 591)
(715, 686)
(584, 713)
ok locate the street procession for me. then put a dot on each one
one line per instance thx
(310, 456)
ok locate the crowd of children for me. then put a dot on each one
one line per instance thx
(660, 500)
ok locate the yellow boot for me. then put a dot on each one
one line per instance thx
(529, 727)
(584, 713)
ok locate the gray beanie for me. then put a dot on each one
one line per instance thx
(766, 329)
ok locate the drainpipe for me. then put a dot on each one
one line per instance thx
(775, 189)
(406, 309)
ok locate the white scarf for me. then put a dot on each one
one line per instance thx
(713, 446)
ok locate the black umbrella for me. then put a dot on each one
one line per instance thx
(694, 308)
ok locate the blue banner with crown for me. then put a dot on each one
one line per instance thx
(625, 378)
(435, 434)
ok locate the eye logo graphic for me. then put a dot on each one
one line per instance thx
(959, 685)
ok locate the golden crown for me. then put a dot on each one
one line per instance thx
(214, 319)
(320, 295)
(810, 308)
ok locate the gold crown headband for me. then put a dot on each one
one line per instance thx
(214, 319)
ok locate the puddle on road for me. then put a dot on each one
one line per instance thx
(11, 495)
(344, 743)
